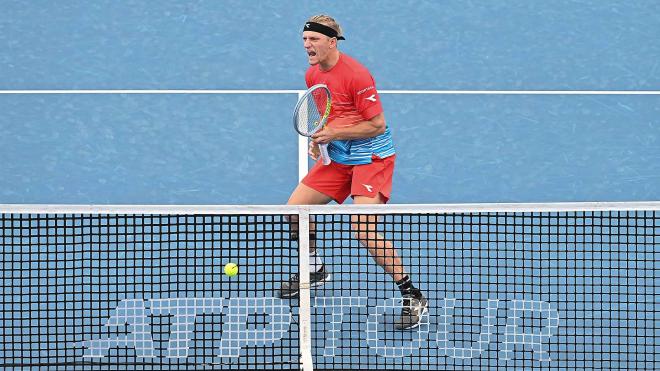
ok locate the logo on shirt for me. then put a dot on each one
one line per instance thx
(365, 90)
(368, 187)
(371, 98)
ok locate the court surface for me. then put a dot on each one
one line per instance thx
(476, 144)
(238, 149)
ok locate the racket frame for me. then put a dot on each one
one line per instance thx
(323, 148)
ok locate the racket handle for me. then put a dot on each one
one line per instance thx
(323, 148)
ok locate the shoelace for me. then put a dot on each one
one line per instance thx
(407, 306)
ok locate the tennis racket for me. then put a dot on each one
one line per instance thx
(311, 115)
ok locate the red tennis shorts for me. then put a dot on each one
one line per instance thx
(339, 181)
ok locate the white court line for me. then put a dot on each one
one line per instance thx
(146, 91)
(445, 92)
(525, 92)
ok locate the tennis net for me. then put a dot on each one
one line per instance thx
(509, 286)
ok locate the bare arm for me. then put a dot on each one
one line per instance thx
(364, 129)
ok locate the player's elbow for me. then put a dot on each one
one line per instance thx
(378, 124)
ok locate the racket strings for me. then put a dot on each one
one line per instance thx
(311, 112)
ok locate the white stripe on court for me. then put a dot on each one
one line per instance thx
(152, 91)
(524, 92)
(445, 92)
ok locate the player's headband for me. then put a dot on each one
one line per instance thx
(321, 28)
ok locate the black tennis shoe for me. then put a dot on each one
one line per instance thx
(412, 312)
(289, 289)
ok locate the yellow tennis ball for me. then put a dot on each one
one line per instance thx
(231, 269)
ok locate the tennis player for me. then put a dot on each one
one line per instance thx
(360, 146)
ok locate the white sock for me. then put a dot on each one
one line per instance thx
(315, 263)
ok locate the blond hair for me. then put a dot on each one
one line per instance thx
(327, 20)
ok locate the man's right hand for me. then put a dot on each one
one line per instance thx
(314, 151)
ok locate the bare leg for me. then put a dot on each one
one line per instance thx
(414, 303)
(304, 195)
(381, 250)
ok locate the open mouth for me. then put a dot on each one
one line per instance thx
(311, 54)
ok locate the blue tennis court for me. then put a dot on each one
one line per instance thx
(217, 149)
